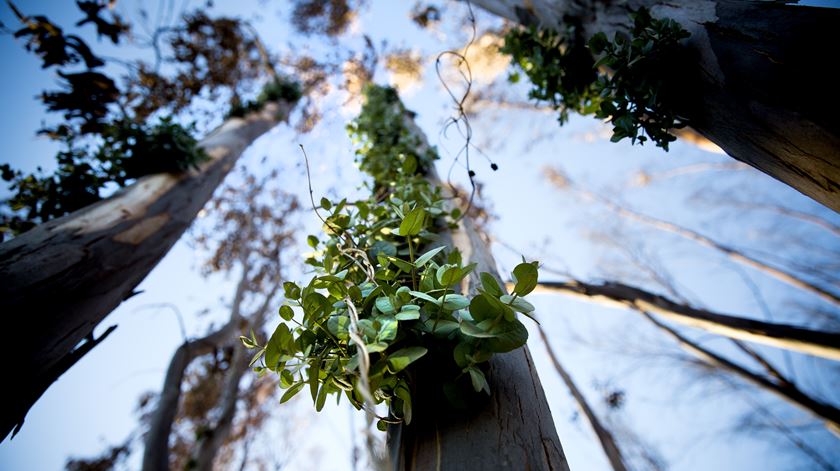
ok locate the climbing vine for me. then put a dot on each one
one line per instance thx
(387, 288)
(621, 80)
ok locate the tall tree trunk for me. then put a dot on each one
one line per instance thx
(513, 429)
(608, 442)
(59, 280)
(749, 80)
(824, 344)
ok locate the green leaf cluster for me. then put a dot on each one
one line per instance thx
(281, 89)
(622, 80)
(374, 283)
(127, 151)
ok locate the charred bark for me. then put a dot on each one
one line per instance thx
(59, 280)
(749, 81)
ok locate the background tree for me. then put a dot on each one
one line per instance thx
(249, 236)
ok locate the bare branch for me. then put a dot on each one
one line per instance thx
(732, 253)
(608, 442)
(827, 413)
(824, 344)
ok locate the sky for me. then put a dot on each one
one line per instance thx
(693, 424)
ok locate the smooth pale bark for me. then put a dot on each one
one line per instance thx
(156, 447)
(59, 280)
(211, 442)
(511, 430)
(812, 342)
(786, 391)
(608, 442)
(751, 80)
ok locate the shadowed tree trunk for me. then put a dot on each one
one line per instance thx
(749, 80)
(512, 429)
(824, 344)
(59, 280)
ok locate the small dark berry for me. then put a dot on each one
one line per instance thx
(494, 167)
(472, 174)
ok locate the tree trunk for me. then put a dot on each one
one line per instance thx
(824, 344)
(608, 442)
(750, 82)
(208, 446)
(156, 446)
(513, 429)
(59, 280)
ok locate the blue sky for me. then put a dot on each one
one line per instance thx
(693, 424)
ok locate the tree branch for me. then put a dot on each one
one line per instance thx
(732, 253)
(827, 413)
(608, 442)
(824, 344)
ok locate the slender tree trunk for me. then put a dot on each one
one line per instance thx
(730, 252)
(608, 442)
(748, 80)
(59, 280)
(786, 391)
(513, 429)
(156, 451)
(824, 344)
(211, 442)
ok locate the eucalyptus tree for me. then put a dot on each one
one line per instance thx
(205, 387)
(406, 307)
(739, 73)
(77, 255)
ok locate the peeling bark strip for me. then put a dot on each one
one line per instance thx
(512, 430)
(59, 280)
(812, 342)
(749, 78)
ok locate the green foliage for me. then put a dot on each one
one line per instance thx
(625, 85)
(128, 151)
(108, 135)
(277, 90)
(373, 286)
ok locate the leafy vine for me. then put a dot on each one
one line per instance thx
(386, 290)
(622, 81)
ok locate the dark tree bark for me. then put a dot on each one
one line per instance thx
(511, 430)
(750, 82)
(59, 280)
